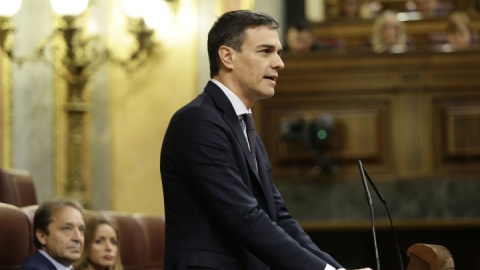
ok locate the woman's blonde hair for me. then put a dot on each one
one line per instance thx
(379, 24)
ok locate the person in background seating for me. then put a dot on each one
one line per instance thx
(459, 31)
(300, 38)
(58, 230)
(426, 8)
(350, 10)
(102, 246)
(222, 209)
(389, 34)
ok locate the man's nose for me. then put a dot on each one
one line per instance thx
(278, 63)
(77, 235)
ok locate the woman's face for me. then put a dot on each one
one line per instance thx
(390, 33)
(104, 247)
(461, 38)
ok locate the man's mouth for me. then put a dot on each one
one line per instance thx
(75, 248)
(272, 78)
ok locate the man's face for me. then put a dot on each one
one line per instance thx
(255, 68)
(64, 242)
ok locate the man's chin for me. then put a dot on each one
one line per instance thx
(74, 255)
(268, 92)
(69, 258)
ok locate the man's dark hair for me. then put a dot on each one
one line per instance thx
(229, 30)
(43, 215)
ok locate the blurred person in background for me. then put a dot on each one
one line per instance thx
(389, 34)
(459, 31)
(430, 8)
(350, 9)
(300, 37)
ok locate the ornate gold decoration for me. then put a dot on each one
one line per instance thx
(74, 58)
(71, 69)
(6, 133)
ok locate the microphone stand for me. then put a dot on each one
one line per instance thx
(369, 201)
(384, 202)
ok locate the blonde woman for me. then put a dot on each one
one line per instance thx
(459, 31)
(389, 34)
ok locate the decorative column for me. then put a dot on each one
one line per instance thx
(71, 69)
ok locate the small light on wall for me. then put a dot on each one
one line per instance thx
(160, 16)
(134, 8)
(9, 8)
(155, 13)
(70, 7)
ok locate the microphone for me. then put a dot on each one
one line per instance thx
(384, 202)
(369, 201)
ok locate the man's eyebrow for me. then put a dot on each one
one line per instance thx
(73, 224)
(268, 46)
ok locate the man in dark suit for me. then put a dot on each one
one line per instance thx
(58, 232)
(222, 209)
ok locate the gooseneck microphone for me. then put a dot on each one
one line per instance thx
(369, 201)
(384, 202)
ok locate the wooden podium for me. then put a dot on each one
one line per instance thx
(429, 257)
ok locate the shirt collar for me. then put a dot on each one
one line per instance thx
(57, 265)
(237, 104)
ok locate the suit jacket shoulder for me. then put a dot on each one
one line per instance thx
(36, 261)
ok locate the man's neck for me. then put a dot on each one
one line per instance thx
(226, 80)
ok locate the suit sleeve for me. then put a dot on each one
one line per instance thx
(204, 155)
(291, 226)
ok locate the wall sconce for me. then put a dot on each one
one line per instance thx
(142, 16)
(77, 60)
(7, 10)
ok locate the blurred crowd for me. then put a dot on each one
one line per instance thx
(389, 33)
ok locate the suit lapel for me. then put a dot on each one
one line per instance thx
(233, 122)
(267, 189)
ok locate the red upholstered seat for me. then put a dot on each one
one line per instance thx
(132, 241)
(30, 213)
(17, 188)
(14, 237)
(154, 233)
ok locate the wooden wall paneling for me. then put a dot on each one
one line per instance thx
(404, 115)
(457, 130)
(413, 140)
(362, 130)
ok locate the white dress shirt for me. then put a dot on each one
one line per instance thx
(237, 104)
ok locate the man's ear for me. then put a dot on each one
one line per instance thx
(41, 237)
(226, 56)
